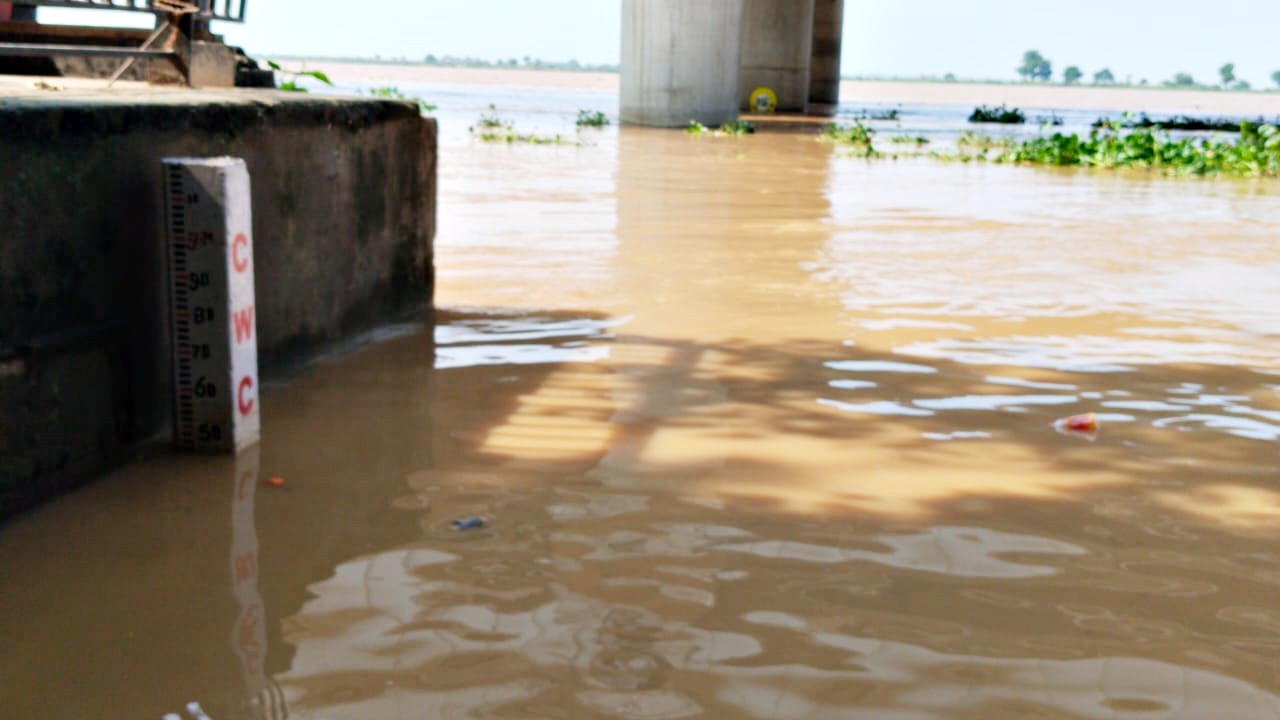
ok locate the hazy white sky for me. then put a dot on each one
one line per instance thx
(1136, 39)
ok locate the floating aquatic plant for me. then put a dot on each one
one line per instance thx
(1003, 115)
(493, 128)
(592, 118)
(1254, 153)
(858, 137)
(1178, 122)
(732, 127)
(394, 93)
(889, 115)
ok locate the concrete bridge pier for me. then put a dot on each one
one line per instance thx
(680, 61)
(701, 60)
(777, 42)
(824, 63)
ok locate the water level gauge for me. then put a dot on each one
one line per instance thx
(215, 348)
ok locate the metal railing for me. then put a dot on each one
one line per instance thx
(179, 23)
(232, 10)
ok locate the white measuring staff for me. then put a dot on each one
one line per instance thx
(211, 303)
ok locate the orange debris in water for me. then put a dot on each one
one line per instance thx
(275, 481)
(1087, 423)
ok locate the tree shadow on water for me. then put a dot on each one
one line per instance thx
(1198, 430)
(692, 488)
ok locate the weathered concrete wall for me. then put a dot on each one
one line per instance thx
(824, 65)
(343, 219)
(680, 61)
(777, 42)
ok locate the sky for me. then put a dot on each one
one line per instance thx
(974, 39)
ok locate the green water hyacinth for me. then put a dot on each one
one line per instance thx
(857, 137)
(732, 127)
(1002, 115)
(1255, 153)
(493, 128)
(592, 118)
(394, 93)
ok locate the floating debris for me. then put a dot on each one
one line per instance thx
(1085, 425)
(469, 523)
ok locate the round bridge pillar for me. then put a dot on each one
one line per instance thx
(777, 44)
(824, 68)
(681, 61)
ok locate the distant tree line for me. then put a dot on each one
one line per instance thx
(1037, 68)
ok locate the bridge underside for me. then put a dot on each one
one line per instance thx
(702, 60)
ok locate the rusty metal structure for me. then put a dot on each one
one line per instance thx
(181, 35)
(232, 10)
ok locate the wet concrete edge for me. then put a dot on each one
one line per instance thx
(344, 217)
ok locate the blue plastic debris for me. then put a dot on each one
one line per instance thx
(470, 523)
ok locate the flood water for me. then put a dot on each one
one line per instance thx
(755, 430)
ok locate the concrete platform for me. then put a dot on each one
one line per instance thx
(343, 220)
(811, 122)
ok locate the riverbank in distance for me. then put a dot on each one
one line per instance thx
(852, 92)
(1063, 97)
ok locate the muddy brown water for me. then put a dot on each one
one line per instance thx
(756, 431)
